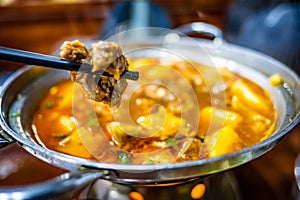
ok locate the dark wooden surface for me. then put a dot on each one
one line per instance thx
(42, 27)
(272, 175)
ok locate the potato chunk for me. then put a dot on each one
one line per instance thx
(224, 141)
(253, 97)
(275, 79)
(212, 119)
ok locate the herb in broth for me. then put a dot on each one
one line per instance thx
(169, 141)
(60, 135)
(49, 104)
(123, 157)
(16, 115)
(93, 122)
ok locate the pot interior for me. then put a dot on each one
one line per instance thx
(24, 90)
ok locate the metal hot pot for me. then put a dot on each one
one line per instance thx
(24, 89)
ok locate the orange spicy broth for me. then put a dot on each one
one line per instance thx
(244, 117)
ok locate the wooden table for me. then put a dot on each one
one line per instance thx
(272, 175)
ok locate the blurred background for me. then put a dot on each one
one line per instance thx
(268, 26)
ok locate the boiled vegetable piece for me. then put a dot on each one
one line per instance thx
(257, 123)
(120, 133)
(275, 79)
(253, 97)
(224, 141)
(212, 119)
(160, 124)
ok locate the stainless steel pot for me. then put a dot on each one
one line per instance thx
(25, 88)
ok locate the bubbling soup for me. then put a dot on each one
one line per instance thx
(242, 117)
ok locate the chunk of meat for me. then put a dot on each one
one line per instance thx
(108, 56)
(74, 51)
(105, 56)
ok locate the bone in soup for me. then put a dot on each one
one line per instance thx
(231, 114)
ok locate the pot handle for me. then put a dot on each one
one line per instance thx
(201, 27)
(4, 138)
(65, 186)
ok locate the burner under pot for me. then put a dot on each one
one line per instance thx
(220, 186)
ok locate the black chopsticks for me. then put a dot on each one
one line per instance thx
(31, 58)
